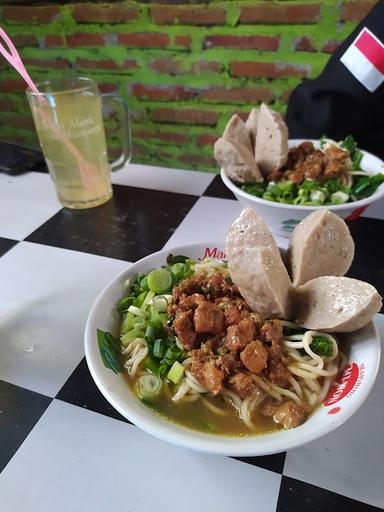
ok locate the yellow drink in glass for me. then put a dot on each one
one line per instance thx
(69, 123)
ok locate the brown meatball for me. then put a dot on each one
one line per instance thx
(208, 318)
(184, 329)
(242, 385)
(238, 336)
(254, 357)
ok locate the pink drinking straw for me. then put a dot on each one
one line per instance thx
(88, 171)
(14, 59)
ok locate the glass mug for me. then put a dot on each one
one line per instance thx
(69, 123)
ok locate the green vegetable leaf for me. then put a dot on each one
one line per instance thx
(229, 280)
(273, 189)
(367, 185)
(332, 185)
(322, 346)
(171, 259)
(360, 186)
(355, 154)
(124, 303)
(290, 331)
(180, 271)
(349, 144)
(109, 349)
(323, 141)
(356, 160)
(151, 364)
(255, 190)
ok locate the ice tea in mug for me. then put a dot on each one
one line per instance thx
(69, 124)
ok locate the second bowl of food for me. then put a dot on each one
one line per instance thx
(284, 180)
(193, 358)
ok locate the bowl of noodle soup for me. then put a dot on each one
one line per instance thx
(284, 216)
(236, 416)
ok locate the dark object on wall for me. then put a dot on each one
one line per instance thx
(336, 103)
(17, 159)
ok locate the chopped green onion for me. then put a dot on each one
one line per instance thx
(137, 311)
(180, 271)
(149, 386)
(124, 304)
(171, 259)
(151, 364)
(147, 299)
(143, 284)
(159, 280)
(255, 190)
(317, 196)
(160, 304)
(339, 197)
(140, 299)
(139, 322)
(154, 330)
(130, 336)
(176, 372)
(173, 354)
(163, 370)
(127, 323)
(158, 349)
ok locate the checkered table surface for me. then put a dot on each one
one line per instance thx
(63, 447)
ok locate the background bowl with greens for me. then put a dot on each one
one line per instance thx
(284, 204)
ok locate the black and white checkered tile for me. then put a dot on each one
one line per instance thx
(63, 447)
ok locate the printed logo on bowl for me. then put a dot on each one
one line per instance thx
(346, 383)
(356, 213)
(214, 252)
(289, 224)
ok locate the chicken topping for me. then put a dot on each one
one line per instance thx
(289, 414)
(254, 357)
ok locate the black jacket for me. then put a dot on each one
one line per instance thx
(337, 104)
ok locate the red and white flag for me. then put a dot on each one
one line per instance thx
(365, 60)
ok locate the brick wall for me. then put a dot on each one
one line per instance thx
(183, 67)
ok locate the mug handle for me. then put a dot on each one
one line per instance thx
(125, 124)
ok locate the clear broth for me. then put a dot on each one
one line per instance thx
(197, 416)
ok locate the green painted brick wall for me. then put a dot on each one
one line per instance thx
(183, 67)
